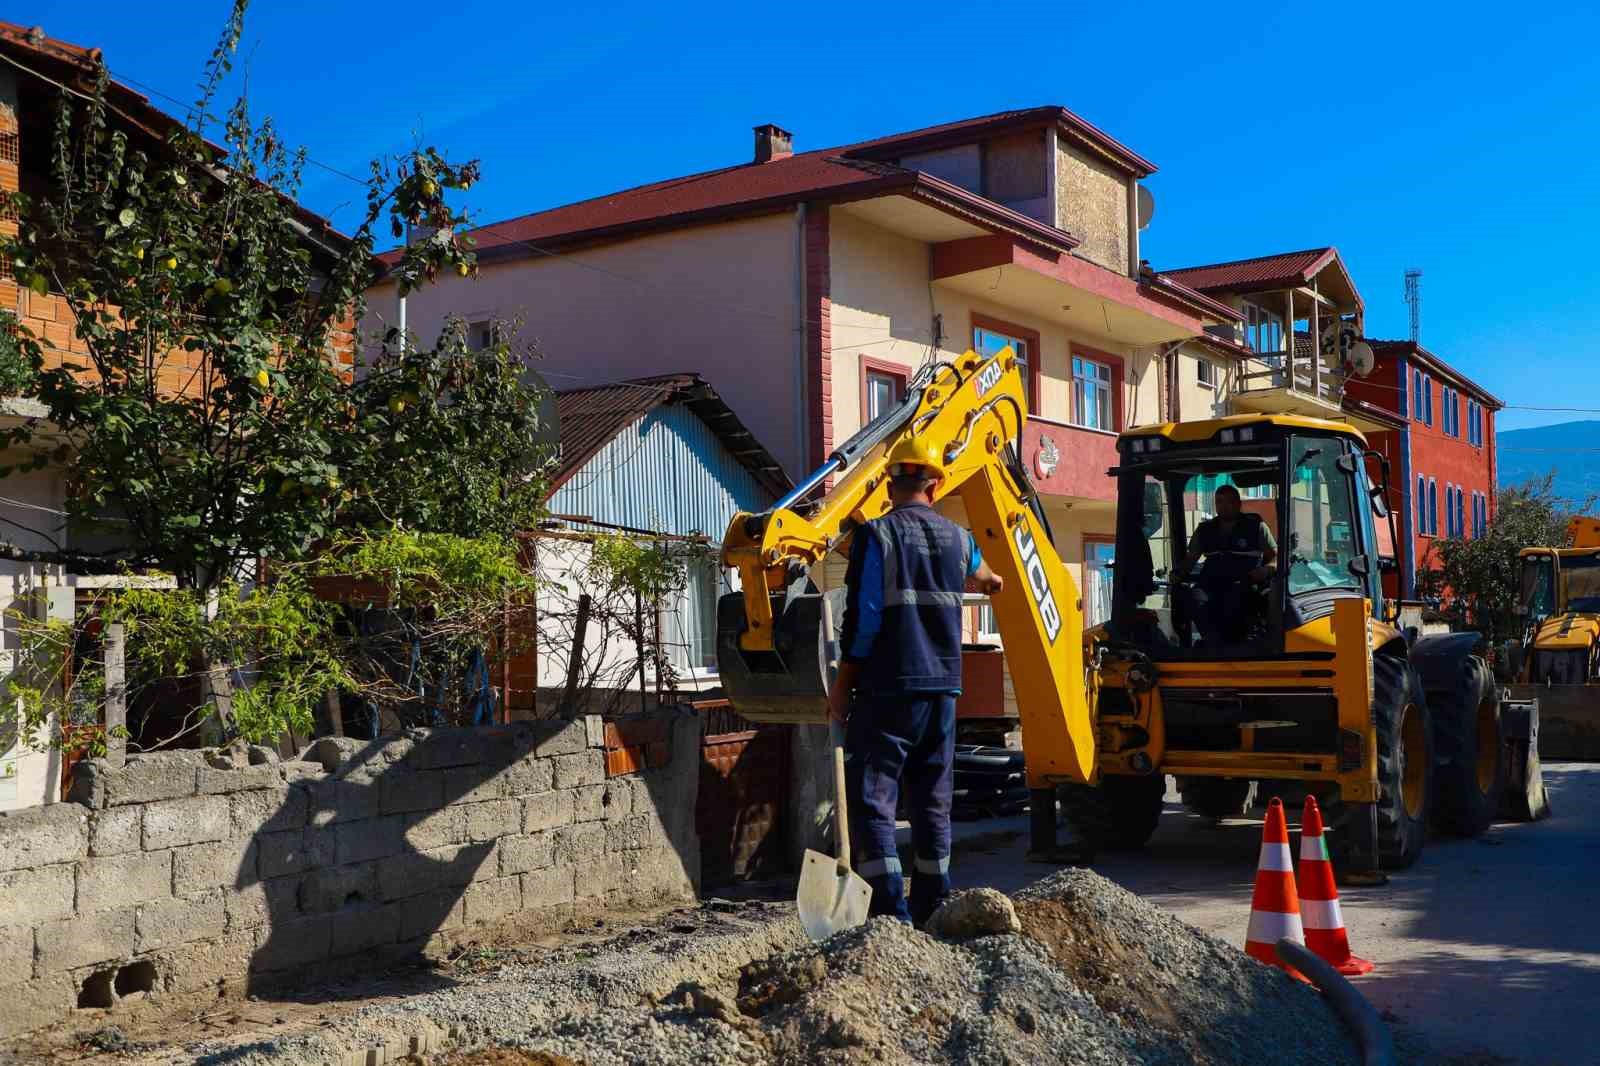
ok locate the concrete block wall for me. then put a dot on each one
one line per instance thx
(225, 870)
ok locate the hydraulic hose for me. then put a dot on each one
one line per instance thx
(1377, 1046)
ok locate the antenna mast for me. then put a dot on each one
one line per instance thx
(1414, 301)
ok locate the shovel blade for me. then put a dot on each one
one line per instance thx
(831, 898)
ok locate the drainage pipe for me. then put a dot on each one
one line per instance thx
(1377, 1046)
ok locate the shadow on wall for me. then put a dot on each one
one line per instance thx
(377, 848)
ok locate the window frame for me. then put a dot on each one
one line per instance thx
(1033, 383)
(1113, 363)
(1204, 368)
(883, 368)
(1090, 541)
(1422, 504)
(1427, 400)
(1433, 507)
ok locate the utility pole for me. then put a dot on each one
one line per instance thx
(1414, 301)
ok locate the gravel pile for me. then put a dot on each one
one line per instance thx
(1096, 976)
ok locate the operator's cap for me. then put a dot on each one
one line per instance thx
(913, 452)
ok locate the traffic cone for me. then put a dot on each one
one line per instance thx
(1275, 906)
(1324, 922)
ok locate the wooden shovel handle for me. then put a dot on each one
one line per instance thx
(841, 821)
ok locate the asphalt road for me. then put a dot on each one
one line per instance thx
(1487, 950)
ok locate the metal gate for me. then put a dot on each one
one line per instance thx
(744, 783)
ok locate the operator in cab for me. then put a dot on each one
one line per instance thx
(1240, 557)
(899, 676)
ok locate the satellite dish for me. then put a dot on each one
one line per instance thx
(1147, 207)
(1360, 359)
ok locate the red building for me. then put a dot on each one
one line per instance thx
(1442, 456)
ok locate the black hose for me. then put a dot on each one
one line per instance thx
(1377, 1046)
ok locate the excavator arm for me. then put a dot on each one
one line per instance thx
(777, 637)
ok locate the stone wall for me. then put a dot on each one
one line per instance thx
(229, 870)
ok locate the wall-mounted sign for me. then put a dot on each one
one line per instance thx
(1047, 458)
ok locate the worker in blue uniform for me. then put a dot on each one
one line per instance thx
(899, 676)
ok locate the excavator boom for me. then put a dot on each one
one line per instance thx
(777, 638)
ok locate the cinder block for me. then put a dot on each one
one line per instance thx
(583, 768)
(401, 791)
(115, 830)
(16, 949)
(374, 838)
(411, 874)
(226, 863)
(488, 821)
(259, 903)
(551, 887)
(334, 888)
(427, 830)
(35, 1004)
(477, 783)
(523, 853)
(293, 944)
(431, 912)
(208, 963)
(365, 929)
(609, 801)
(578, 845)
(343, 799)
(436, 749)
(212, 781)
(489, 862)
(39, 836)
(120, 880)
(333, 752)
(551, 810)
(170, 922)
(174, 823)
(152, 778)
(644, 798)
(630, 834)
(294, 851)
(559, 738)
(83, 940)
(28, 897)
(529, 776)
(492, 900)
(267, 810)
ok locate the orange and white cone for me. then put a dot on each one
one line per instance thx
(1319, 902)
(1275, 905)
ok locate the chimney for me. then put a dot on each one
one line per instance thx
(773, 142)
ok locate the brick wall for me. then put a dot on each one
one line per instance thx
(224, 870)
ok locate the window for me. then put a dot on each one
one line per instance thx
(1427, 399)
(1097, 568)
(883, 385)
(987, 340)
(481, 336)
(1450, 411)
(1433, 507)
(1461, 512)
(1422, 504)
(1205, 373)
(1322, 519)
(1263, 329)
(1416, 394)
(1475, 423)
(1091, 394)
(695, 647)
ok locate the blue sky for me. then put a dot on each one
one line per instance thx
(1443, 136)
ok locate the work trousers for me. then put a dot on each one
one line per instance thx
(890, 738)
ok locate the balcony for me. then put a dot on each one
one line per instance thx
(1070, 462)
(1292, 382)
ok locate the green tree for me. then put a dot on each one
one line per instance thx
(1475, 578)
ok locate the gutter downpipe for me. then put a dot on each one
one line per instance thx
(801, 336)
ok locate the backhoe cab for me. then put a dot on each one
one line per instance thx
(1557, 659)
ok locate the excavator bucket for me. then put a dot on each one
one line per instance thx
(788, 684)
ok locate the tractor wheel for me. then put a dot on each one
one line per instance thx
(1220, 797)
(1405, 777)
(1470, 744)
(1119, 814)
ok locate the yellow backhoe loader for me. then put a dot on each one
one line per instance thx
(1557, 660)
(1310, 684)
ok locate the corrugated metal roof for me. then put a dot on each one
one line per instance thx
(663, 453)
(1284, 270)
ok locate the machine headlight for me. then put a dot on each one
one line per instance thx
(1138, 447)
(1227, 436)
(1155, 444)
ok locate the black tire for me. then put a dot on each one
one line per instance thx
(1470, 749)
(1219, 797)
(1405, 781)
(1120, 814)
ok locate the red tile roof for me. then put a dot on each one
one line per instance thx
(591, 416)
(849, 172)
(1437, 366)
(1281, 271)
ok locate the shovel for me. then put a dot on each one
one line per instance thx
(832, 896)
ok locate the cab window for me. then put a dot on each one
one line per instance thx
(1322, 519)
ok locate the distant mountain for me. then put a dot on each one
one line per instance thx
(1571, 450)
